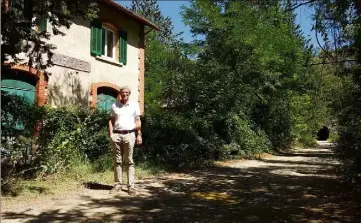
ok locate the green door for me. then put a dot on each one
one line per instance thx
(18, 87)
(105, 101)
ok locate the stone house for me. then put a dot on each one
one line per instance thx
(91, 62)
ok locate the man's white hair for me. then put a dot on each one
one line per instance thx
(125, 87)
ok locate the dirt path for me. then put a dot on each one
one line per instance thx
(299, 186)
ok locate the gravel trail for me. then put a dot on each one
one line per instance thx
(298, 186)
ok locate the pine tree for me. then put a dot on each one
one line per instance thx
(150, 10)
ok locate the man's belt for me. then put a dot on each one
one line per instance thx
(123, 131)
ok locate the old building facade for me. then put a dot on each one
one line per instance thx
(91, 62)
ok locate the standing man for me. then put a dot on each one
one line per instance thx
(124, 131)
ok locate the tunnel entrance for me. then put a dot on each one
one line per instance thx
(323, 134)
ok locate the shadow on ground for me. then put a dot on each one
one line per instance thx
(272, 191)
(97, 186)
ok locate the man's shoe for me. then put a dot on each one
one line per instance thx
(116, 189)
(132, 192)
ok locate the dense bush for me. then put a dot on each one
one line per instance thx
(175, 142)
(248, 140)
(64, 136)
(349, 141)
(13, 119)
(241, 96)
(19, 119)
(69, 134)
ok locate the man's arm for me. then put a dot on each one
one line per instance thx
(138, 127)
(138, 124)
(111, 125)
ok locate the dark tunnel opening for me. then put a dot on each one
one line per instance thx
(323, 134)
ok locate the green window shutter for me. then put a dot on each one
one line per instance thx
(42, 23)
(123, 44)
(96, 38)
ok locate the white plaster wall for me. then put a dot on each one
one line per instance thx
(66, 85)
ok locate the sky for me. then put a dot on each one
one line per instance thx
(173, 9)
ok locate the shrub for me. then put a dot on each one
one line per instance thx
(307, 140)
(67, 136)
(17, 135)
(173, 142)
(70, 134)
(349, 146)
(103, 163)
(248, 138)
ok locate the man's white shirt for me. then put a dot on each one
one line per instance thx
(124, 115)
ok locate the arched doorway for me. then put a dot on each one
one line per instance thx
(106, 97)
(25, 81)
(19, 83)
(104, 94)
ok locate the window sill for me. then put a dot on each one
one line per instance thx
(109, 60)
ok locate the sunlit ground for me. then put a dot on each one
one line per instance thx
(300, 186)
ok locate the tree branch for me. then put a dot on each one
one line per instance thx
(331, 62)
(301, 4)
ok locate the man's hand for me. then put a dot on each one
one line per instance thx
(139, 140)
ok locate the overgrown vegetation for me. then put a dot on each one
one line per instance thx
(70, 143)
(241, 96)
(339, 23)
(250, 83)
(63, 137)
(250, 76)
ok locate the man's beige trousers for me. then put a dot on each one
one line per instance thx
(123, 145)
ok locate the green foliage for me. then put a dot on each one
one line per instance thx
(66, 136)
(103, 163)
(158, 69)
(305, 122)
(79, 134)
(334, 137)
(173, 142)
(248, 140)
(248, 90)
(13, 120)
(348, 149)
(245, 87)
(239, 71)
(341, 32)
(349, 137)
(17, 134)
(150, 10)
(276, 119)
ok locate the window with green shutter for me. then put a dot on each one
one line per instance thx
(123, 44)
(42, 23)
(103, 42)
(109, 43)
(96, 38)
